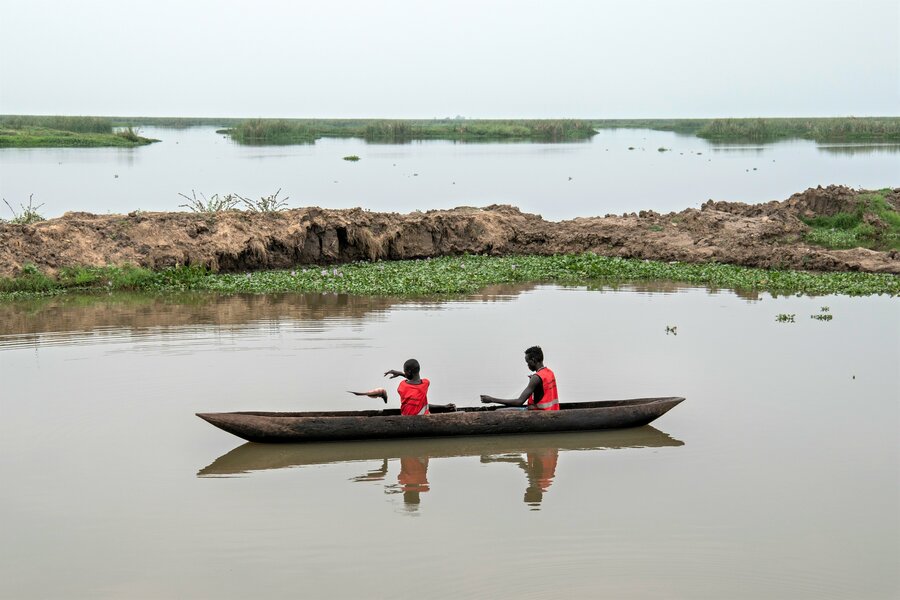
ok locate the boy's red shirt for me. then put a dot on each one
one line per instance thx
(414, 397)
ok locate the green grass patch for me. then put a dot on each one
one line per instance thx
(839, 129)
(307, 131)
(443, 276)
(39, 137)
(874, 224)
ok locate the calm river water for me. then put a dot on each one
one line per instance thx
(776, 478)
(559, 181)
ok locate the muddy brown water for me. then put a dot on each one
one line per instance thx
(776, 478)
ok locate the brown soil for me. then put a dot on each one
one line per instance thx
(766, 235)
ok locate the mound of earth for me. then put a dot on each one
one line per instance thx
(768, 235)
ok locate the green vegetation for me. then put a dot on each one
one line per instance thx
(447, 275)
(843, 129)
(65, 132)
(307, 131)
(28, 215)
(785, 318)
(214, 204)
(352, 158)
(874, 224)
(266, 204)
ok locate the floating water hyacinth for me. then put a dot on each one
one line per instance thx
(324, 273)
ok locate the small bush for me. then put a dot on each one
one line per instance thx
(130, 134)
(29, 213)
(212, 205)
(266, 204)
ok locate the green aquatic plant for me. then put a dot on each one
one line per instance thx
(454, 275)
(785, 318)
(821, 317)
(352, 158)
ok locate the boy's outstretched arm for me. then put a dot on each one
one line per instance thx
(533, 382)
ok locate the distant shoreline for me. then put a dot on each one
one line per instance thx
(53, 131)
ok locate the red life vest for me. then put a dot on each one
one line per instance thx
(414, 397)
(550, 399)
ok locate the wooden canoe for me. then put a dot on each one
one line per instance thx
(250, 457)
(296, 427)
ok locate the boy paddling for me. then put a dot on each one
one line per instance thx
(414, 390)
(540, 393)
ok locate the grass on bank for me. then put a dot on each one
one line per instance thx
(441, 276)
(66, 132)
(306, 131)
(874, 225)
(822, 130)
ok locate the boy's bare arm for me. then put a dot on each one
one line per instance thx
(533, 382)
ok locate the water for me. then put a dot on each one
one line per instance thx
(559, 181)
(776, 478)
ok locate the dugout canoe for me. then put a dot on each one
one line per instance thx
(294, 427)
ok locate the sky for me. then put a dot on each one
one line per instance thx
(435, 59)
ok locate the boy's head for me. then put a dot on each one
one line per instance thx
(411, 369)
(533, 357)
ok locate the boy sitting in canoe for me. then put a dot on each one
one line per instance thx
(540, 393)
(414, 391)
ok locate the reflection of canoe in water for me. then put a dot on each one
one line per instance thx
(481, 420)
(258, 457)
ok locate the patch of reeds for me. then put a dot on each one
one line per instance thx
(300, 131)
(761, 130)
(59, 123)
(130, 134)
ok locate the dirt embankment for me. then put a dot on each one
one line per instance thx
(766, 235)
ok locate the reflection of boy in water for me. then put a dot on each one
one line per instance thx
(413, 477)
(414, 390)
(540, 470)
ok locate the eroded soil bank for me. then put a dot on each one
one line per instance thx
(766, 235)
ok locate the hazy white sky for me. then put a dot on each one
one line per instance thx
(423, 59)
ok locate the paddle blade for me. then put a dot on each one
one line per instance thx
(376, 393)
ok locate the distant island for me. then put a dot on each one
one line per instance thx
(66, 132)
